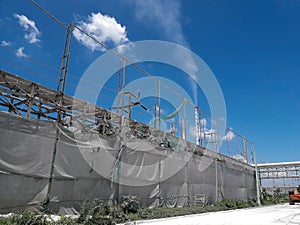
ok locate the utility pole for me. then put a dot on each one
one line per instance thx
(245, 149)
(61, 84)
(257, 177)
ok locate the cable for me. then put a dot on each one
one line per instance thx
(56, 70)
(28, 70)
(50, 15)
(108, 49)
(32, 59)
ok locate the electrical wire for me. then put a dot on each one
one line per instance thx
(109, 50)
(57, 70)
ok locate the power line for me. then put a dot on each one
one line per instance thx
(27, 69)
(50, 15)
(29, 58)
(108, 49)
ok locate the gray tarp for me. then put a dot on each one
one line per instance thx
(159, 176)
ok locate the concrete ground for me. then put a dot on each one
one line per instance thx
(267, 215)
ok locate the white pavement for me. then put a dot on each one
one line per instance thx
(266, 215)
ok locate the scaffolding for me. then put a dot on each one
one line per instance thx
(284, 175)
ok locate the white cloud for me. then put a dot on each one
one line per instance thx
(229, 136)
(104, 28)
(5, 43)
(125, 48)
(20, 53)
(32, 32)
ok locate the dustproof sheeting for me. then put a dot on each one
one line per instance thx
(160, 176)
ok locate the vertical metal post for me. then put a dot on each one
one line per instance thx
(159, 122)
(123, 88)
(120, 84)
(129, 105)
(65, 60)
(217, 184)
(84, 116)
(257, 177)
(187, 183)
(119, 160)
(122, 134)
(184, 119)
(155, 86)
(181, 124)
(60, 88)
(30, 100)
(159, 180)
(245, 149)
(297, 175)
(11, 103)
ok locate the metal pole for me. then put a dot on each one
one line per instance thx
(187, 183)
(65, 60)
(60, 88)
(184, 119)
(216, 164)
(30, 100)
(155, 85)
(257, 177)
(159, 122)
(245, 149)
(123, 87)
(180, 121)
(122, 137)
(50, 180)
(159, 181)
(120, 81)
(129, 105)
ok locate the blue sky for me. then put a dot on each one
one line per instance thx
(252, 47)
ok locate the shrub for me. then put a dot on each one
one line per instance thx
(130, 204)
(28, 217)
(94, 212)
(98, 212)
(65, 221)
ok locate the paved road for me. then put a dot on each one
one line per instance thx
(266, 215)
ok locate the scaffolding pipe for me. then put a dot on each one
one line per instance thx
(184, 120)
(159, 121)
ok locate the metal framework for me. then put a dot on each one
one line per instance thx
(28, 99)
(285, 175)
